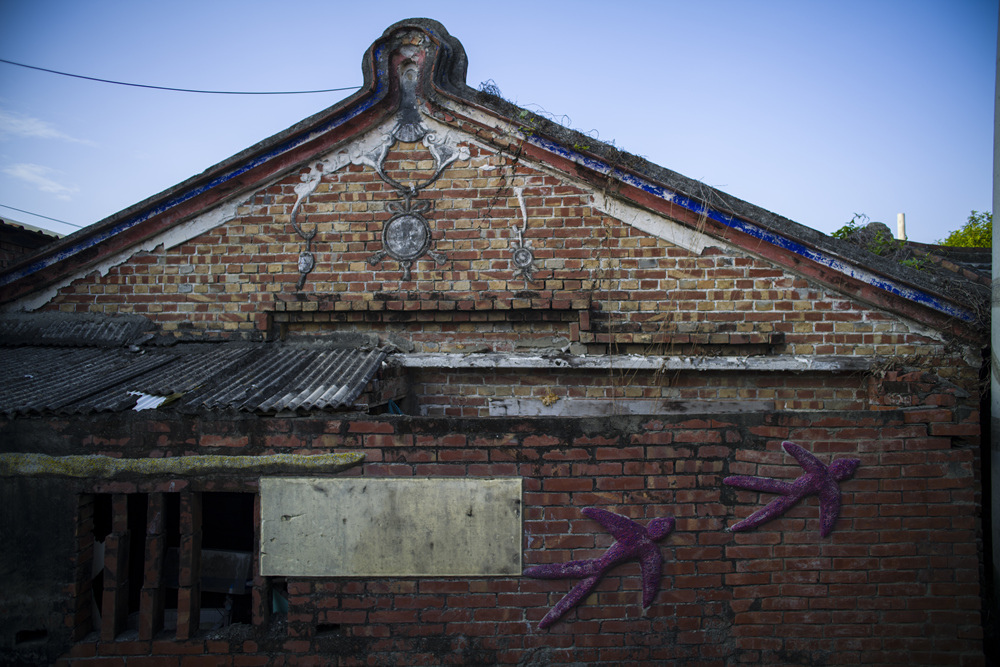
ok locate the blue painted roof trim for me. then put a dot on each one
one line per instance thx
(90, 241)
(755, 231)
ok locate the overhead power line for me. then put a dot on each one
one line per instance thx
(37, 215)
(180, 90)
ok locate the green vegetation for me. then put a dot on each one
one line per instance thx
(857, 222)
(977, 232)
(877, 239)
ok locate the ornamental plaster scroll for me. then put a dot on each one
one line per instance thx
(523, 254)
(406, 236)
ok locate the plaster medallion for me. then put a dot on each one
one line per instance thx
(523, 261)
(406, 236)
(307, 261)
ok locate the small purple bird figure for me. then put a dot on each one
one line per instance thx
(631, 541)
(818, 479)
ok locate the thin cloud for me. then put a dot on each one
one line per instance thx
(20, 125)
(40, 177)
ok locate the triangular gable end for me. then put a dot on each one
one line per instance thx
(414, 94)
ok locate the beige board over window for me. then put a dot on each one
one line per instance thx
(400, 527)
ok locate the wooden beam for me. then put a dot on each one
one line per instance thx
(261, 594)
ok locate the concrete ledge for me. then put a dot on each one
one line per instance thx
(784, 364)
(106, 467)
(583, 407)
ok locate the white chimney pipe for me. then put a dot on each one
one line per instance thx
(901, 226)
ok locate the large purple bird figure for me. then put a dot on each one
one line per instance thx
(631, 541)
(818, 479)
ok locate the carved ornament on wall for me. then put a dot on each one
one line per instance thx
(523, 254)
(406, 235)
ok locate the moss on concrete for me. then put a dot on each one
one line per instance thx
(106, 467)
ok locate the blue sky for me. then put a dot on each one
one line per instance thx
(813, 110)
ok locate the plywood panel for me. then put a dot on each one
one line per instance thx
(404, 527)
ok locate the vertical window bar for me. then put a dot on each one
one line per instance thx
(83, 620)
(189, 573)
(261, 594)
(115, 605)
(151, 601)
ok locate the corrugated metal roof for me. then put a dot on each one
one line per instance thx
(294, 378)
(256, 378)
(188, 368)
(72, 330)
(45, 379)
(17, 225)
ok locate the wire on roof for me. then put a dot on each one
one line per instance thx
(180, 90)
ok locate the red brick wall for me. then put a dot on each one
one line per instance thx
(468, 393)
(601, 286)
(621, 285)
(897, 582)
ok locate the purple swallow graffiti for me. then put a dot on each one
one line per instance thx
(631, 541)
(818, 479)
